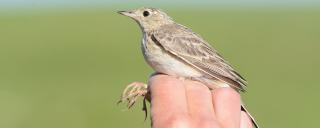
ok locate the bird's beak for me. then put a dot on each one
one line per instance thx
(127, 13)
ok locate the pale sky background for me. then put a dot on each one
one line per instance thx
(16, 4)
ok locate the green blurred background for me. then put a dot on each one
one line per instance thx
(64, 64)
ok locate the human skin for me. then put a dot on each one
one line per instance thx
(189, 104)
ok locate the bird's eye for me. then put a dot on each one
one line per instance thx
(146, 13)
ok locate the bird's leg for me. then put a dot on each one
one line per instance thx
(135, 90)
(132, 92)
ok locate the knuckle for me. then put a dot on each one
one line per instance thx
(226, 91)
(163, 79)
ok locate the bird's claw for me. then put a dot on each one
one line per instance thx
(132, 92)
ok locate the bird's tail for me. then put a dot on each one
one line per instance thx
(243, 108)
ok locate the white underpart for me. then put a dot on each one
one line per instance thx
(165, 63)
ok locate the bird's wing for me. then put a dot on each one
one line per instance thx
(192, 49)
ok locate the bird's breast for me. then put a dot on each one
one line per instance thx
(164, 62)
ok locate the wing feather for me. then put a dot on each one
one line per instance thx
(191, 48)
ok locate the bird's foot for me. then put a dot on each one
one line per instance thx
(132, 92)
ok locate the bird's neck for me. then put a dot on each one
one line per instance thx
(149, 27)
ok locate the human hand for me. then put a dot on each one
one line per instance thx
(190, 104)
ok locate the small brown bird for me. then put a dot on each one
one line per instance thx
(175, 50)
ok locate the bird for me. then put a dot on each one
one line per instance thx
(175, 50)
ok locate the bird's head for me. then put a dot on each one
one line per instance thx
(148, 18)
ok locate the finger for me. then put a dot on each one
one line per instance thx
(168, 99)
(226, 102)
(199, 100)
(245, 121)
